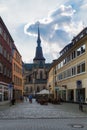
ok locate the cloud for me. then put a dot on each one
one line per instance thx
(75, 4)
(3, 8)
(57, 29)
(57, 26)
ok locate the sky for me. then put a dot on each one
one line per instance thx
(59, 21)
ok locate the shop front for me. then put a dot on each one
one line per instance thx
(63, 95)
(60, 92)
(3, 92)
(80, 91)
(70, 95)
(56, 92)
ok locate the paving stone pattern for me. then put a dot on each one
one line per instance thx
(27, 110)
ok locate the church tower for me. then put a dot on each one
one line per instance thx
(36, 73)
(39, 53)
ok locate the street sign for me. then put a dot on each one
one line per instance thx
(79, 83)
(10, 85)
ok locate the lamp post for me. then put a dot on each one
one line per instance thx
(34, 86)
(13, 94)
(13, 91)
(10, 86)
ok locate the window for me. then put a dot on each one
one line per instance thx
(4, 53)
(27, 89)
(81, 35)
(60, 76)
(10, 75)
(78, 51)
(0, 30)
(74, 71)
(59, 66)
(78, 69)
(81, 68)
(68, 72)
(10, 59)
(4, 36)
(7, 73)
(1, 68)
(4, 70)
(86, 31)
(68, 58)
(81, 50)
(61, 63)
(65, 74)
(8, 40)
(0, 48)
(8, 56)
(73, 54)
(41, 75)
(64, 61)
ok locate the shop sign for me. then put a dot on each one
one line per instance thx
(79, 83)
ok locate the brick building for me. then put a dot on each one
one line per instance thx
(6, 42)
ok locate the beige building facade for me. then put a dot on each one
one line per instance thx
(70, 70)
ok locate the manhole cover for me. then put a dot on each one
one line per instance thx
(77, 126)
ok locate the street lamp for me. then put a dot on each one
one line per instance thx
(13, 94)
(10, 86)
(34, 86)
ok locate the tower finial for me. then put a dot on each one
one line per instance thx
(38, 39)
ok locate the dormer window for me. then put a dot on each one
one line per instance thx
(81, 35)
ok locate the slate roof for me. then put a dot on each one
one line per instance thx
(30, 66)
(39, 52)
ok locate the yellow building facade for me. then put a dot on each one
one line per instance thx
(50, 82)
(70, 70)
(17, 75)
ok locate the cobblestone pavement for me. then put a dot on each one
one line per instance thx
(26, 110)
(26, 116)
(44, 124)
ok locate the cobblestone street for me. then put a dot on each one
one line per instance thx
(40, 117)
(35, 110)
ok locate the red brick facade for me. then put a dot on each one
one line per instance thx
(6, 42)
